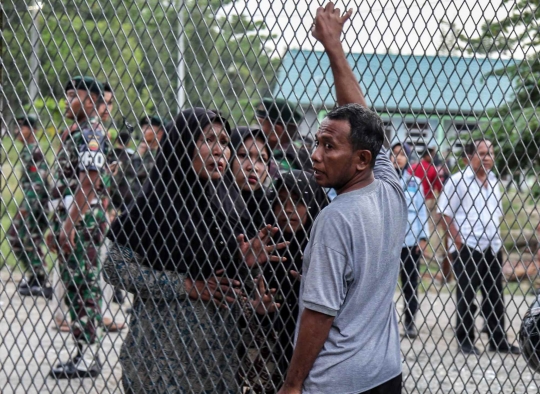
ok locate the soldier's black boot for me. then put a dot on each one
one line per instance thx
(25, 285)
(85, 364)
(43, 289)
(118, 296)
(35, 286)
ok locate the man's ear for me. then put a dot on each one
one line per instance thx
(363, 159)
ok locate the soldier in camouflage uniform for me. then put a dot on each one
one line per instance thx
(153, 128)
(26, 232)
(279, 121)
(80, 222)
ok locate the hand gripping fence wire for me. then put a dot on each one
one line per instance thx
(97, 129)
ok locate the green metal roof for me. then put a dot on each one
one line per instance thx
(399, 83)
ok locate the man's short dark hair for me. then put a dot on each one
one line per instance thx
(470, 147)
(107, 88)
(367, 128)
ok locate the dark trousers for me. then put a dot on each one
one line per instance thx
(393, 386)
(409, 282)
(482, 271)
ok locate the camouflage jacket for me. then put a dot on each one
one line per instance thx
(35, 173)
(84, 149)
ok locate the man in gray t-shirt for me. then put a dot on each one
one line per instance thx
(347, 341)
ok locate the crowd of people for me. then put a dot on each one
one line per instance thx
(245, 274)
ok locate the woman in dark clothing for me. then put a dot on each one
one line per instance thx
(249, 166)
(296, 200)
(169, 248)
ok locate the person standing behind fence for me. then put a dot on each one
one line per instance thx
(26, 233)
(80, 223)
(169, 249)
(347, 340)
(472, 211)
(278, 120)
(105, 107)
(415, 238)
(153, 130)
(432, 185)
(250, 161)
(297, 200)
(118, 175)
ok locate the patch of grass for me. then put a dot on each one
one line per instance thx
(517, 208)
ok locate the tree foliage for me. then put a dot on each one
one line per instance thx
(516, 125)
(134, 46)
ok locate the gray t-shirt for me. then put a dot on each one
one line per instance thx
(350, 271)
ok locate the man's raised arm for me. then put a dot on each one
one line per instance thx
(327, 29)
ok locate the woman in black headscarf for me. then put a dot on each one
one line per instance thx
(296, 200)
(249, 165)
(169, 248)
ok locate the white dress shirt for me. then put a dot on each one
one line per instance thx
(475, 209)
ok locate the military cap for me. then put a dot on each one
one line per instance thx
(27, 120)
(278, 111)
(152, 120)
(89, 84)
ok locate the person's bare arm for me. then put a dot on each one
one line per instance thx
(312, 334)
(327, 29)
(452, 229)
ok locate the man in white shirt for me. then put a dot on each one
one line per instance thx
(471, 206)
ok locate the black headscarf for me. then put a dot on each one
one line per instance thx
(179, 221)
(256, 201)
(314, 197)
(408, 152)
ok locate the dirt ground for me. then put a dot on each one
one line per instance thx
(30, 344)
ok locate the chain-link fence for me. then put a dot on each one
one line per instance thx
(173, 299)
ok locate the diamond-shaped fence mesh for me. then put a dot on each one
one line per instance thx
(147, 144)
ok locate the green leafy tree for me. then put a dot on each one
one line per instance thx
(74, 40)
(227, 65)
(516, 125)
(134, 46)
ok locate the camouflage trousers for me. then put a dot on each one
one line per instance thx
(80, 272)
(25, 236)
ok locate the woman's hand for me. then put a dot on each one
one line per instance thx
(256, 250)
(218, 289)
(295, 274)
(263, 302)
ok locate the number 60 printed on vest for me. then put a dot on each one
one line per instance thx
(90, 159)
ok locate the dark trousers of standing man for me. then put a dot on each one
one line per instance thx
(409, 282)
(482, 271)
